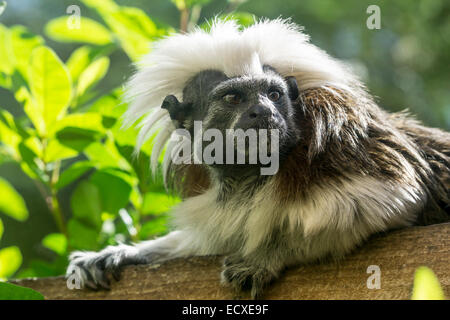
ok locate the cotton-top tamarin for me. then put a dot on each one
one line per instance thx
(347, 169)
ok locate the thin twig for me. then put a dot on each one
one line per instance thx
(184, 20)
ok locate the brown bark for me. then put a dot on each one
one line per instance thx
(397, 253)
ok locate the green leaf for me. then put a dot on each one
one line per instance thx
(10, 261)
(82, 237)
(86, 204)
(6, 52)
(77, 131)
(33, 112)
(109, 105)
(11, 202)
(106, 155)
(23, 42)
(56, 151)
(137, 21)
(89, 31)
(134, 44)
(131, 25)
(154, 227)
(10, 138)
(2, 228)
(93, 74)
(101, 5)
(56, 242)
(157, 203)
(35, 145)
(78, 61)
(77, 138)
(88, 121)
(72, 173)
(426, 285)
(5, 81)
(114, 190)
(50, 84)
(9, 291)
(30, 163)
(14, 123)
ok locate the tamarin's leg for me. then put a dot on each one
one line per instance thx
(94, 268)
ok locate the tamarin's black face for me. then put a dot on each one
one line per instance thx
(247, 102)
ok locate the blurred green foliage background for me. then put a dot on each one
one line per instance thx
(67, 176)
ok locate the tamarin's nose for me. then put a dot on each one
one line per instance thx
(255, 116)
(259, 111)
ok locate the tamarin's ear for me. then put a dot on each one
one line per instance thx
(178, 111)
(293, 87)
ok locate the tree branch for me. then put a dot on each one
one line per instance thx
(397, 253)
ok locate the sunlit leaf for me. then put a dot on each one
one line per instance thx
(5, 80)
(50, 84)
(106, 155)
(92, 74)
(72, 173)
(2, 228)
(89, 121)
(6, 52)
(108, 105)
(86, 204)
(35, 145)
(57, 151)
(78, 61)
(157, 203)
(33, 112)
(89, 31)
(101, 5)
(31, 164)
(11, 202)
(138, 21)
(23, 42)
(81, 236)
(10, 261)
(426, 285)
(56, 242)
(14, 124)
(9, 291)
(111, 108)
(5, 155)
(10, 138)
(30, 172)
(134, 44)
(131, 25)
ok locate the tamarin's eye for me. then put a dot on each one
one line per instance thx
(232, 98)
(274, 95)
